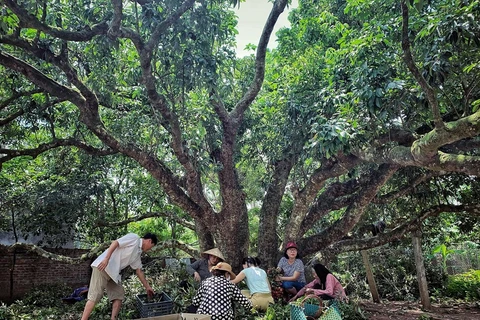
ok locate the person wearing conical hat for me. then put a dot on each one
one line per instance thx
(201, 268)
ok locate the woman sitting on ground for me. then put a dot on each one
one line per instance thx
(293, 278)
(325, 285)
(259, 291)
(217, 294)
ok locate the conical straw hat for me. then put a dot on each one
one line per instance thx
(215, 252)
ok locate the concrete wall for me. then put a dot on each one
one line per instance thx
(21, 271)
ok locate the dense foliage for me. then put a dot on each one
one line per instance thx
(47, 304)
(125, 111)
(464, 285)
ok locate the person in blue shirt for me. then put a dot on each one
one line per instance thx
(259, 291)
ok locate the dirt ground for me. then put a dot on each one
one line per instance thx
(401, 310)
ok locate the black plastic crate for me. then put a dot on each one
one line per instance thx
(161, 304)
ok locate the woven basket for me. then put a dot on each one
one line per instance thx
(307, 311)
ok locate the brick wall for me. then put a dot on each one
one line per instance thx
(22, 271)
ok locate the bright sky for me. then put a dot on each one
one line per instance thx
(251, 19)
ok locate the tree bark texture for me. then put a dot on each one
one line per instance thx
(420, 267)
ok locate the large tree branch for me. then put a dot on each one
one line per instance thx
(117, 17)
(59, 61)
(166, 214)
(402, 230)
(30, 21)
(335, 197)
(402, 156)
(426, 148)
(11, 153)
(430, 93)
(406, 189)
(17, 95)
(268, 248)
(40, 79)
(21, 111)
(159, 105)
(334, 167)
(173, 244)
(425, 153)
(353, 213)
(88, 105)
(239, 110)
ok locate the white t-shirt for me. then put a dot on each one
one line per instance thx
(128, 253)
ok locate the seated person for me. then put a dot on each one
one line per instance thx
(325, 285)
(217, 294)
(200, 269)
(259, 291)
(293, 278)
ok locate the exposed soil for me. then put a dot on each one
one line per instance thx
(402, 310)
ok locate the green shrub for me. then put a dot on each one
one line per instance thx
(351, 310)
(464, 285)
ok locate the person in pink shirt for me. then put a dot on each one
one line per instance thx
(325, 285)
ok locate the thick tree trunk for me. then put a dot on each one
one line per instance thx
(232, 235)
(267, 229)
(205, 237)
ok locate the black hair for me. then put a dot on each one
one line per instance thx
(218, 273)
(152, 237)
(322, 273)
(251, 261)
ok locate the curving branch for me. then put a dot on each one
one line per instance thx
(57, 257)
(335, 197)
(407, 54)
(95, 252)
(11, 153)
(421, 151)
(242, 105)
(30, 21)
(352, 214)
(389, 197)
(400, 231)
(17, 95)
(40, 79)
(334, 167)
(87, 103)
(166, 214)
